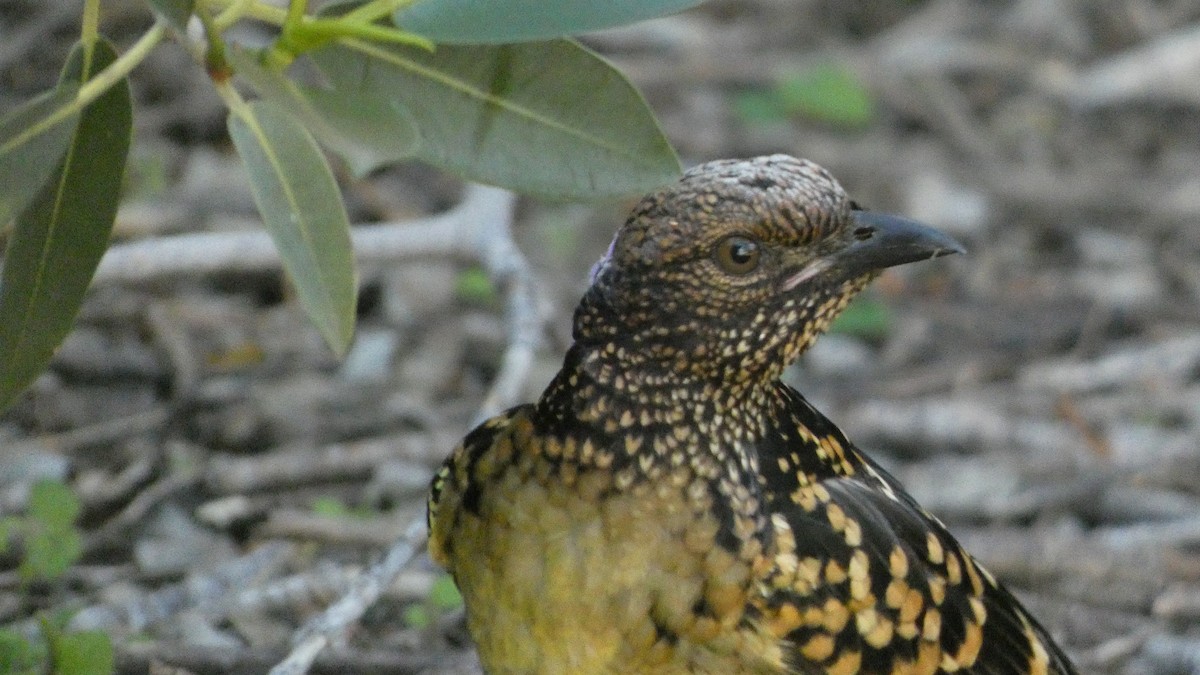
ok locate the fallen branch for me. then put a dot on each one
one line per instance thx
(325, 628)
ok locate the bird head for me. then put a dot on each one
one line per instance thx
(731, 273)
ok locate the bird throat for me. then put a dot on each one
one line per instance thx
(646, 428)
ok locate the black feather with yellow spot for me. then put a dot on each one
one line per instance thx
(667, 506)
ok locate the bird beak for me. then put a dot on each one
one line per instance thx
(878, 241)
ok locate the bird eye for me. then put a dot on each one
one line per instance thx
(738, 255)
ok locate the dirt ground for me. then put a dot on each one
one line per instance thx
(1040, 394)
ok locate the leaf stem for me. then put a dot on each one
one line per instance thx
(95, 87)
(233, 100)
(237, 9)
(118, 69)
(90, 29)
(373, 11)
(295, 13)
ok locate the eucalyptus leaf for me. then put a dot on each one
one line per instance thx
(27, 155)
(58, 239)
(361, 126)
(302, 209)
(503, 21)
(546, 118)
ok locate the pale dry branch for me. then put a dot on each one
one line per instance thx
(323, 629)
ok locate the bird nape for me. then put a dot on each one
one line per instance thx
(669, 506)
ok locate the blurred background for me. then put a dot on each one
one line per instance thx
(1040, 394)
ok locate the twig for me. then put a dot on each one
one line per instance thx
(506, 265)
(320, 584)
(1182, 533)
(1165, 359)
(478, 228)
(68, 442)
(253, 251)
(1168, 654)
(134, 616)
(142, 657)
(322, 629)
(961, 422)
(114, 531)
(1179, 602)
(1162, 70)
(297, 466)
(295, 524)
(1092, 437)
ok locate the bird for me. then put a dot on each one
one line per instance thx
(668, 505)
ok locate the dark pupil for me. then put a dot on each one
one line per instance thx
(741, 252)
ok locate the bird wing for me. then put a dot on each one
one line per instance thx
(457, 484)
(864, 576)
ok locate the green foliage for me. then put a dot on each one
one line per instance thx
(828, 93)
(544, 118)
(548, 118)
(500, 21)
(473, 285)
(58, 238)
(416, 616)
(759, 107)
(302, 209)
(361, 125)
(443, 597)
(865, 318)
(53, 650)
(330, 507)
(51, 544)
(51, 541)
(19, 655)
(81, 653)
(31, 146)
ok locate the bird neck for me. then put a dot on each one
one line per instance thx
(648, 426)
(656, 414)
(625, 385)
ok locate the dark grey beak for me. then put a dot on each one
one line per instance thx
(878, 241)
(881, 241)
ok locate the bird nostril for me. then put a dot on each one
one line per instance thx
(864, 232)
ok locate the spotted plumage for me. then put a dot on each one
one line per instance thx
(669, 506)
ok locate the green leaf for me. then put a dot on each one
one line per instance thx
(18, 655)
(82, 653)
(176, 12)
(828, 93)
(416, 616)
(547, 118)
(331, 507)
(865, 318)
(361, 126)
(502, 21)
(444, 593)
(474, 285)
(53, 503)
(758, 108)
(27, 155)
(302, 209)
(50, 551)
(58, 239)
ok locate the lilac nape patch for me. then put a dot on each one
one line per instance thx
(602, 263)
